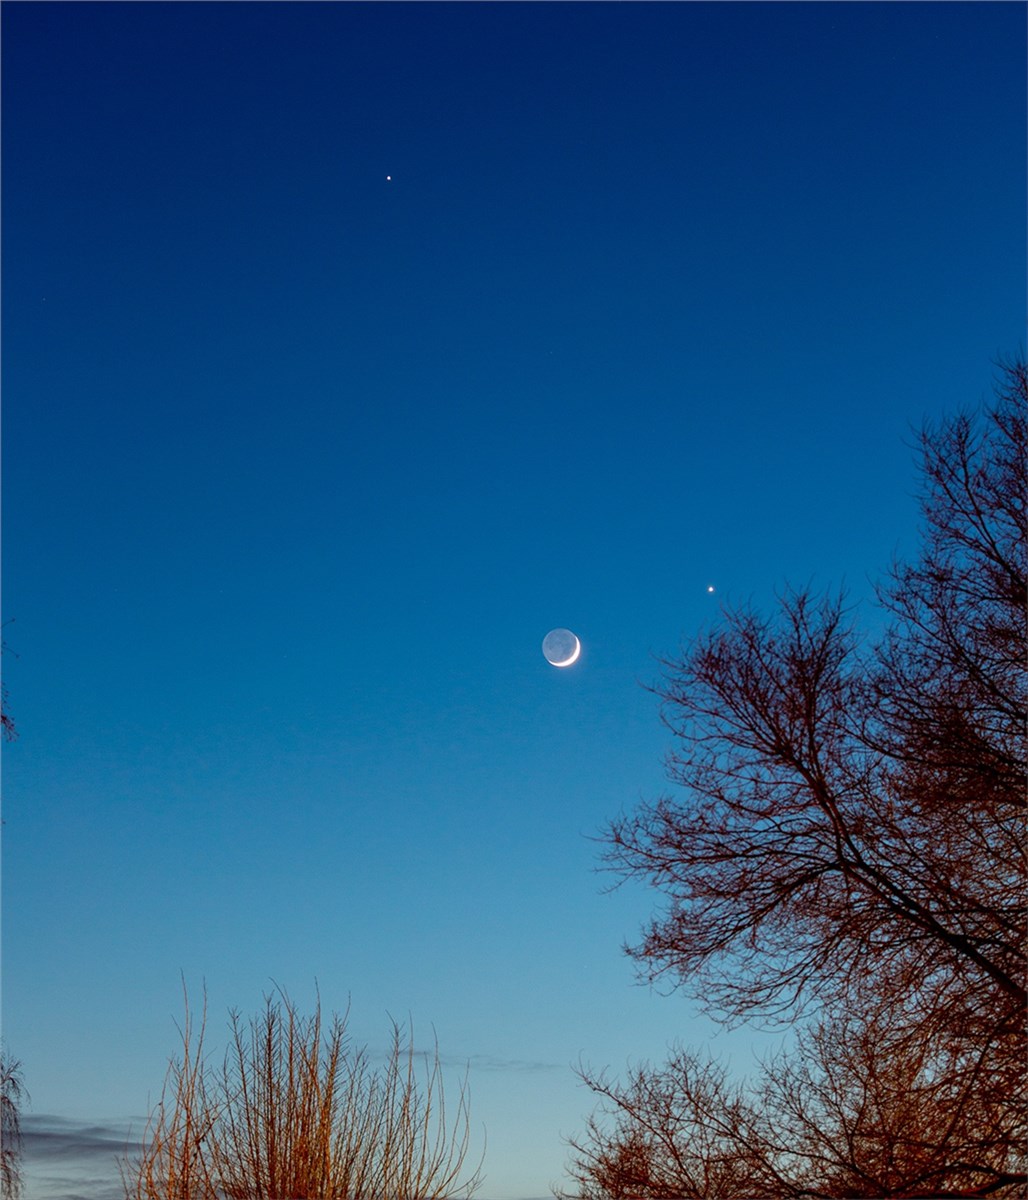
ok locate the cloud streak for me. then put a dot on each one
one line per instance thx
(472, 1062)
(49, 1137)
(68, 1159)
(492, 1062)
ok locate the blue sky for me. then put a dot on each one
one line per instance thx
(301, 462)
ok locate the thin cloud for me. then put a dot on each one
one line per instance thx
(492, 1062)
(48, 1137)
(474, 1062)
(68, 1159)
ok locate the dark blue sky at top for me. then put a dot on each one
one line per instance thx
(301, 463)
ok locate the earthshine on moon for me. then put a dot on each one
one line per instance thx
(561, 648)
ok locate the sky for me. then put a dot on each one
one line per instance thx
(350, 348)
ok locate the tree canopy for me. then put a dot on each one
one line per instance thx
(846, 846)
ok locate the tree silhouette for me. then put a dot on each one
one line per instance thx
(849, 840)
(12, 1092)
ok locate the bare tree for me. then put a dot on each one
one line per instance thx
(880, 1106)
(858, 1108)
(12, 1093)
(680, 1131)
(175, 1162)
(8, 729)
(850, 834)
(296, 1111)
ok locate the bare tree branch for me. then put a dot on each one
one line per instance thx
(848, 838)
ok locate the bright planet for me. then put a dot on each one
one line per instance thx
(561, 648)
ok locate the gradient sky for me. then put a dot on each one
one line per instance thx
(301, 463)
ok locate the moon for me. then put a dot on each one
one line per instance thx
(561, 648)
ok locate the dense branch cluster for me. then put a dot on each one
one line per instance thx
(12, 1093)
(847, 848)
(296, 1111)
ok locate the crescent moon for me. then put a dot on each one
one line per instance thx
(566, 662)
